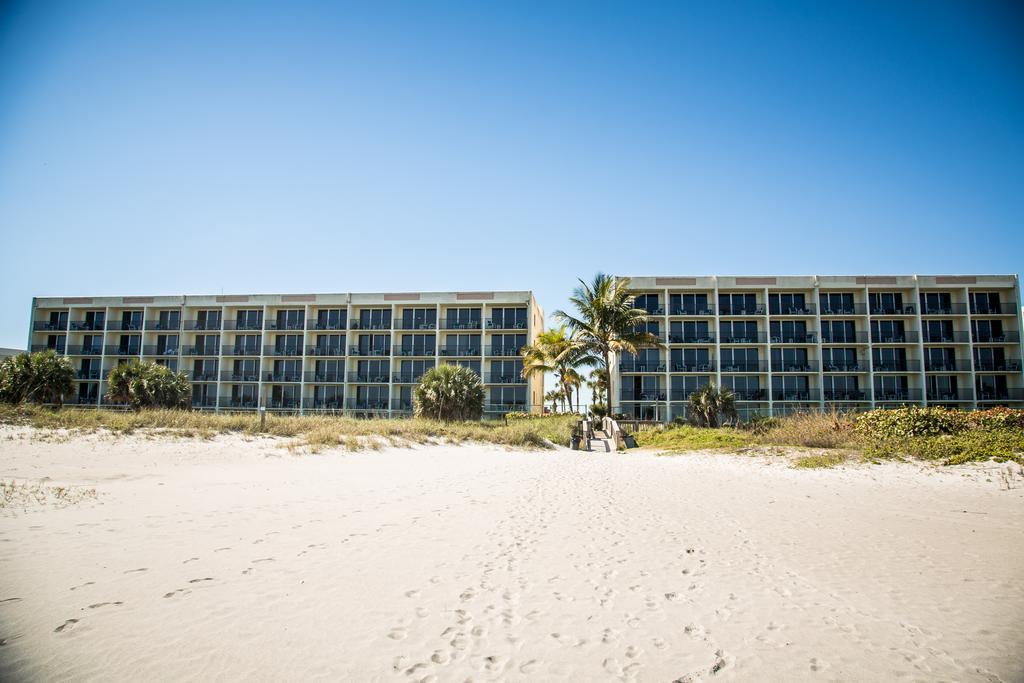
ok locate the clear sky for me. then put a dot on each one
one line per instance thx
(196, 147)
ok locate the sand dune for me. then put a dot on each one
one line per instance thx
(236, 560)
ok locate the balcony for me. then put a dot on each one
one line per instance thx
(170, 325)
(843, 338)
(282, 377)
(157, 350)
(947, 365)
(757, 309)
(252, 351)
(889, 365)
(201, 350)
(517, 407)
(749, 394)
(897, 395)
(708, 338)
(36, 348)
(241, 376)
(845, 395)
(360, 325)
(504, 350)
(368, 377)
(895, 337)
(501, 378)
(86, 326)
(795, 394)
(461, 325)
(47, 326)
(958, 395)
(705, 366)
(401, 405)
(366, 404)
(428, 351)
(205, 402)
(991, 365)
(656, 310)
(800, 311)
(930, 337)
(288, 350)
(1008, 337)
(124, 326)
(325, 377)
(194, 376)
(406, 378)
(910, 309)
(336, 325)
(202, 325)
(322, 403)
(123, 350)
(90, 375)
(496, 325)
(1004, 308)
(416, 325)
(746, 366)
(85, 350)
(854, 309)
(1009, 394)
(701, 311)
(793, 366)
(641, 366)
(642, 396)
(460, 351)
(805, 338)
(238, 403)
(369, 351)
(758, 338)
(243, 325)
(290, 325)
(846, 366)
(326, 350)
(283, 404)
(948, 309)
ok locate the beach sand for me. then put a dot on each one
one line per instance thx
(234, 559)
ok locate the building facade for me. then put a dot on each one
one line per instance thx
(783, 344)
(357, 353)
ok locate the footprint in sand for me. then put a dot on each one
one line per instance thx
(412, 593)
(528, 667)
(264, 559)
(140, 569)
(183, 591)
(87, 583)
(191, 559)
(218, 550)
(398, 634)
(207, 578)
(13, 599)
(673, 597)
(440, 657)
(104, 604)
(66, 626)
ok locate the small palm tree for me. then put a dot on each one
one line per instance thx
(554, 395)
(43, 377)
(147, 385)
(606, 322)
(449, 392)
(557, 352)
(709, 404)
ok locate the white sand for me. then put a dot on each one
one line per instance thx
(234, 560)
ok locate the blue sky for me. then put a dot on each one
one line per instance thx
(195, 147)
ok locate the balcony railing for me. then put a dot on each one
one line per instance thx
(795, 366)
(931, 337)
(703, 311)
(366, 404)
(641, 366)
(944, 365)
(909, 309)
(282, 325)
(368, 377)
(240, 350)
(90, 374)
(284, 377)
(958, 395)
(85, 350)
(47, 326)
(708, 338)
(201, 350)
(416, 351)
(85, 326)
(82, 400)
(745, 366)
(124, 326)
(246, 377)
(337, 325)
(703, 366)
(460, 351)
(888, 365)
(948, 309)
(202, 325)
(283, 404)
(795, 394)
(243, 325)
(846, 366)
(843, 337)
(401, 405)
(495, 325)
(503, 378)
(36, 348)
(897, 395)
(1003, 308)
(406, 377)
(325, 377)
(323, 403)
(756, 309)
(504, 350)
(238, 403)
(205, 402)
(909, 337)
(850, 309)
(325, 350)
(1010, 336)
(844, 395)
(758, 338)
(360, 325)
(750, 394)
(1009, 394)
(369, 351)
(461, 325)
(643, 396)
(172, 325)
(157, 350)
(289, 350)
(988, 365)
(505, 407)
(805, 338)
(805, 310)
(202, 376)
(123, 350)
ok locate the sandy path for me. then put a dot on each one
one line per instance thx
(235, 560)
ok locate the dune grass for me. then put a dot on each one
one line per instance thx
(819, 461)
(314, 432)
(686, 438)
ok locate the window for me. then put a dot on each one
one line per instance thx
(691, 360)
(169, 320)
(992, 359)
(246, 370)
(286, 396)
(887, 331)
(207, 344)
(836, 303)
(991, 387)
(790, 360)
(842, 388)
(372, 397)
(690, 332)
(739, 331)
(987, 331)
(746, 387)
(788, 331)
(328, 397)
(941, 387)
(462, 345)
(418, 344)
(462, 319)
(288, 345)
(373, 371)
(682, 387)
(509, 318)
(204, 370)
(131, 320)
(740, 360)
(374, 345)
(506, 371)
(889, 360)
(649, 303)
(689, 304)
(642, 388)
(329, 345)
(507, 344)
(208, 320)
(419, 319)
(247, 344)
(786, 303)
(291, 319)
(508, 398)
(939, 303)
(167, 344)
(249, 320)
(984, 303)
(739, 304)
(473, 365)
(375, 319)
(839, 359)
(287, 371)
(790, 388)
(94, 320)
(412, 370)
(245, 395)
(129, 345)
(938, 331)
(329, 371)
(838, 331)
(331, 319)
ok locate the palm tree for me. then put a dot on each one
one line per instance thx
(597, 382)
(555, 351)
(606, 322)
(709, 403)
(555, 395)
(43, 377)
(449, 392)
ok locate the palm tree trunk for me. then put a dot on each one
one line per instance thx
(608, 384)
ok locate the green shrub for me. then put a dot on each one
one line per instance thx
(449, 392)
(42, 377)
(954, 449)
(996, 418)
(148, 385)
(911, 421)
(690, 438)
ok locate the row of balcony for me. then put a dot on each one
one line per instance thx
(314, 377)
(880, 395)
(287, 351)
(909, 365)
(707, 311)
(255, 326)
(908, 337)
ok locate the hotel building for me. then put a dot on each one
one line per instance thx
(358, 353)
(783, 344)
